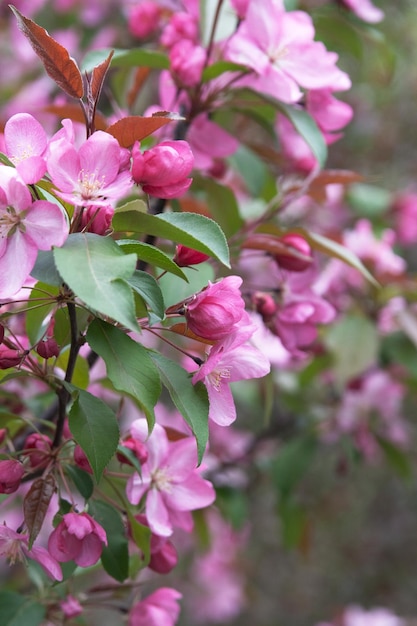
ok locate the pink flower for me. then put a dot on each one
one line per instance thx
(181, 26)
(26, 142)
(404, 211)
(41, 446)
(365, 10)
(14, 546)
(11, 473)
(228, 361)
(92, 175)
(77, 538)
(143, 18)
(162, 171)
(9, 357)
(164, 556)
(184, 257)
(281, 50)
(170, 481)
(213, 312)
(71, 607)
(159, 609)
(25, 228)
(187, 62)
(97, 219)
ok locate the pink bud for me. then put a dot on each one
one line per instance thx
(187, 62)
(264, 304)
(184, 257)
(81, 460)
(47, 348)
(71, 607)
(144, 18)
(11, 473)
(42, 444)
(3, 434)
(294, 263)
(137, 447)
(163, 170)
(164, 556)
(97, 219)
(181, 26)
(9, 357)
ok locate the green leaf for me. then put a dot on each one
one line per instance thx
(293, 522)
(354, 343)
(396, 457)
(115, 556)
(81, 374)
(96, 270)
(134, 57)
(38, 309)
(222, 204)
(191, 400)
(368, 200)
(151, 256)
(129, 366)
(45, 269)
(291, 463)
(141, 535)
(308, 129)
(16, 610)
(147, 287)
(94, 427)
(190, 229)
(81, 479)
(220, 67)
(251, 168)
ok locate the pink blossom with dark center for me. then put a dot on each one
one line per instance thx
(15, 547)
(77, 538)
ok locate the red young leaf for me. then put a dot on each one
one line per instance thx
(182, 329)
(140, 76)
(135, 128)
(55, 58)
(36, 503)
(74, 113)
(98, 76)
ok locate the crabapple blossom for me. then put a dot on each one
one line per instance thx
(279, 46)
(164, 556)
(213, 312)
(9, 357)
(143, 18)
(71, 607)
(181, 26)
(159, 609)
(169, 481)
(77, 538)
(11, 473)
(162, 171)
(290, 262)
(37, 448)
(93, 175)
(365, 10)
(187, 62)
(25, 228)
(15, 546)
(26, 142)
(184, 257)
(230, 360)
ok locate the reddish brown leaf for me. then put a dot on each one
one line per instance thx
(36, 503)
(317, 188)
(98, 76)
(135, 128)
(74, 113)
(55, 58)
(182, 329)
(141, 74)
(272, 245)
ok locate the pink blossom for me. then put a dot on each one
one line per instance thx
(365, 10)
(184, 257)
(180, 27)
(280, 48)
(26, 142)
(92, 175)
(159, 609)
(404, 210)
(162, 171)
(77, 538)
(97, 219)
(25, 228)
(71, 607)
(143, 18)
(9, 357)
(11, 473)
(164, 556)
(187, 62)
(170, 481)
(213, 312)
(15, 546)
(228, 361)
(37, 448)
(240, 6)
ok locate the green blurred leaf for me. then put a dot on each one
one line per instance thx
(222, 204)
(192, 230)
(129, 366)
(293, 522)
(94, 427)
(16, 610)
(38, 310)
(115, 556)
(368, 200)
(147, 287)
(81, 479)
(135, 57)
(191, 400)
(354, 343)
(220, 67)
(396, 457)
(291, 463)
(96, 270)
(251, 168)
(141, 535)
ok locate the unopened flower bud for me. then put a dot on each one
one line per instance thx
(97, 219)
(71, 607)
(37, 448)
(81, 460)
(47, 348)
(184, 257)
(265, 305)
(9, 357)
(143, 19)
(294, 262)
(11, 473)
(137, 447)
(187, 62)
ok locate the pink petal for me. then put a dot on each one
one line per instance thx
(90, 552)
(181, 459)
(194, 493)
(49, 564)
(137, 486)
(16, 263)
(46, 225)
(24, 137)
(157, 514)
(222, 406)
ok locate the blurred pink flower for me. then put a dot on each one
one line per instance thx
(181, 26)
(159, 609)
(365, 10)
(26, 142)
(170, 480)
(77, 538)
(187, 62)
(25, 228)
(11, 473)
(15, 546)
(143, 18)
